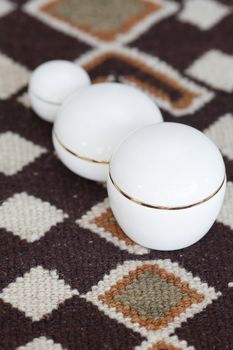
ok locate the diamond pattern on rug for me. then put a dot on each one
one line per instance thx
(166, 86)
(29, 217)
(151, 295)
(13, 76)
(30, 52)
(41, 343)
(24, 100)
(165, 343)
(204, 14)
(85, 327)
(160, 345)
(221, 133)
(37, 293)
(226, 214)
(96, 22)
(168, 297)
(111, 18)
(46, 258)
(6, 7)
(17, 152)
(214, 68)
(101, 221)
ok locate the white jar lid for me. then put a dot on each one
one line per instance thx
(167, 165)
(93, 121)
(54, 81)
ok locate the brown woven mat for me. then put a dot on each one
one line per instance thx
(69, 277)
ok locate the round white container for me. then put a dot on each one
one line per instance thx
(166, 185)
(51, 83)
(93, 121)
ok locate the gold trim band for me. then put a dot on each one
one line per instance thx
(162, 207)
(78, 155)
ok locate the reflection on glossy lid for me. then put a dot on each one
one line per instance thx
(54, 81)
(93, 121)
(168, 164)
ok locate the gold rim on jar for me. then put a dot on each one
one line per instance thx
(164, 207)
(77, 154)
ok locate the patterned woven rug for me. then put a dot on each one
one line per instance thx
(69, 277)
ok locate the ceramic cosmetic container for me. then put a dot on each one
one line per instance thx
(93, 121)
(166, 185)
(51, 83)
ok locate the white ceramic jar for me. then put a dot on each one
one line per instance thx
(51, 83)
(93, 121)
(166, 185)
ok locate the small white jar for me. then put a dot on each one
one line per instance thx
(166, 185)
(51, 83)
(93, 121)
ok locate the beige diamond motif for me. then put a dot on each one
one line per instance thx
(29, 217)
(41, 343)
(205, 14)
(13, 76)
(24, 100)
(37, 293)
(226, 214)
(214, 68)
(6, 7)
(221, 133)
(17, 152)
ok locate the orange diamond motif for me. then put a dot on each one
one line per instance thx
(167, 87)
(108, 222)
(152, 297)
(105, 19)
(164, 346)
(101, 221)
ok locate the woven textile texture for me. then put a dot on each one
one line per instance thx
(69, 277)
